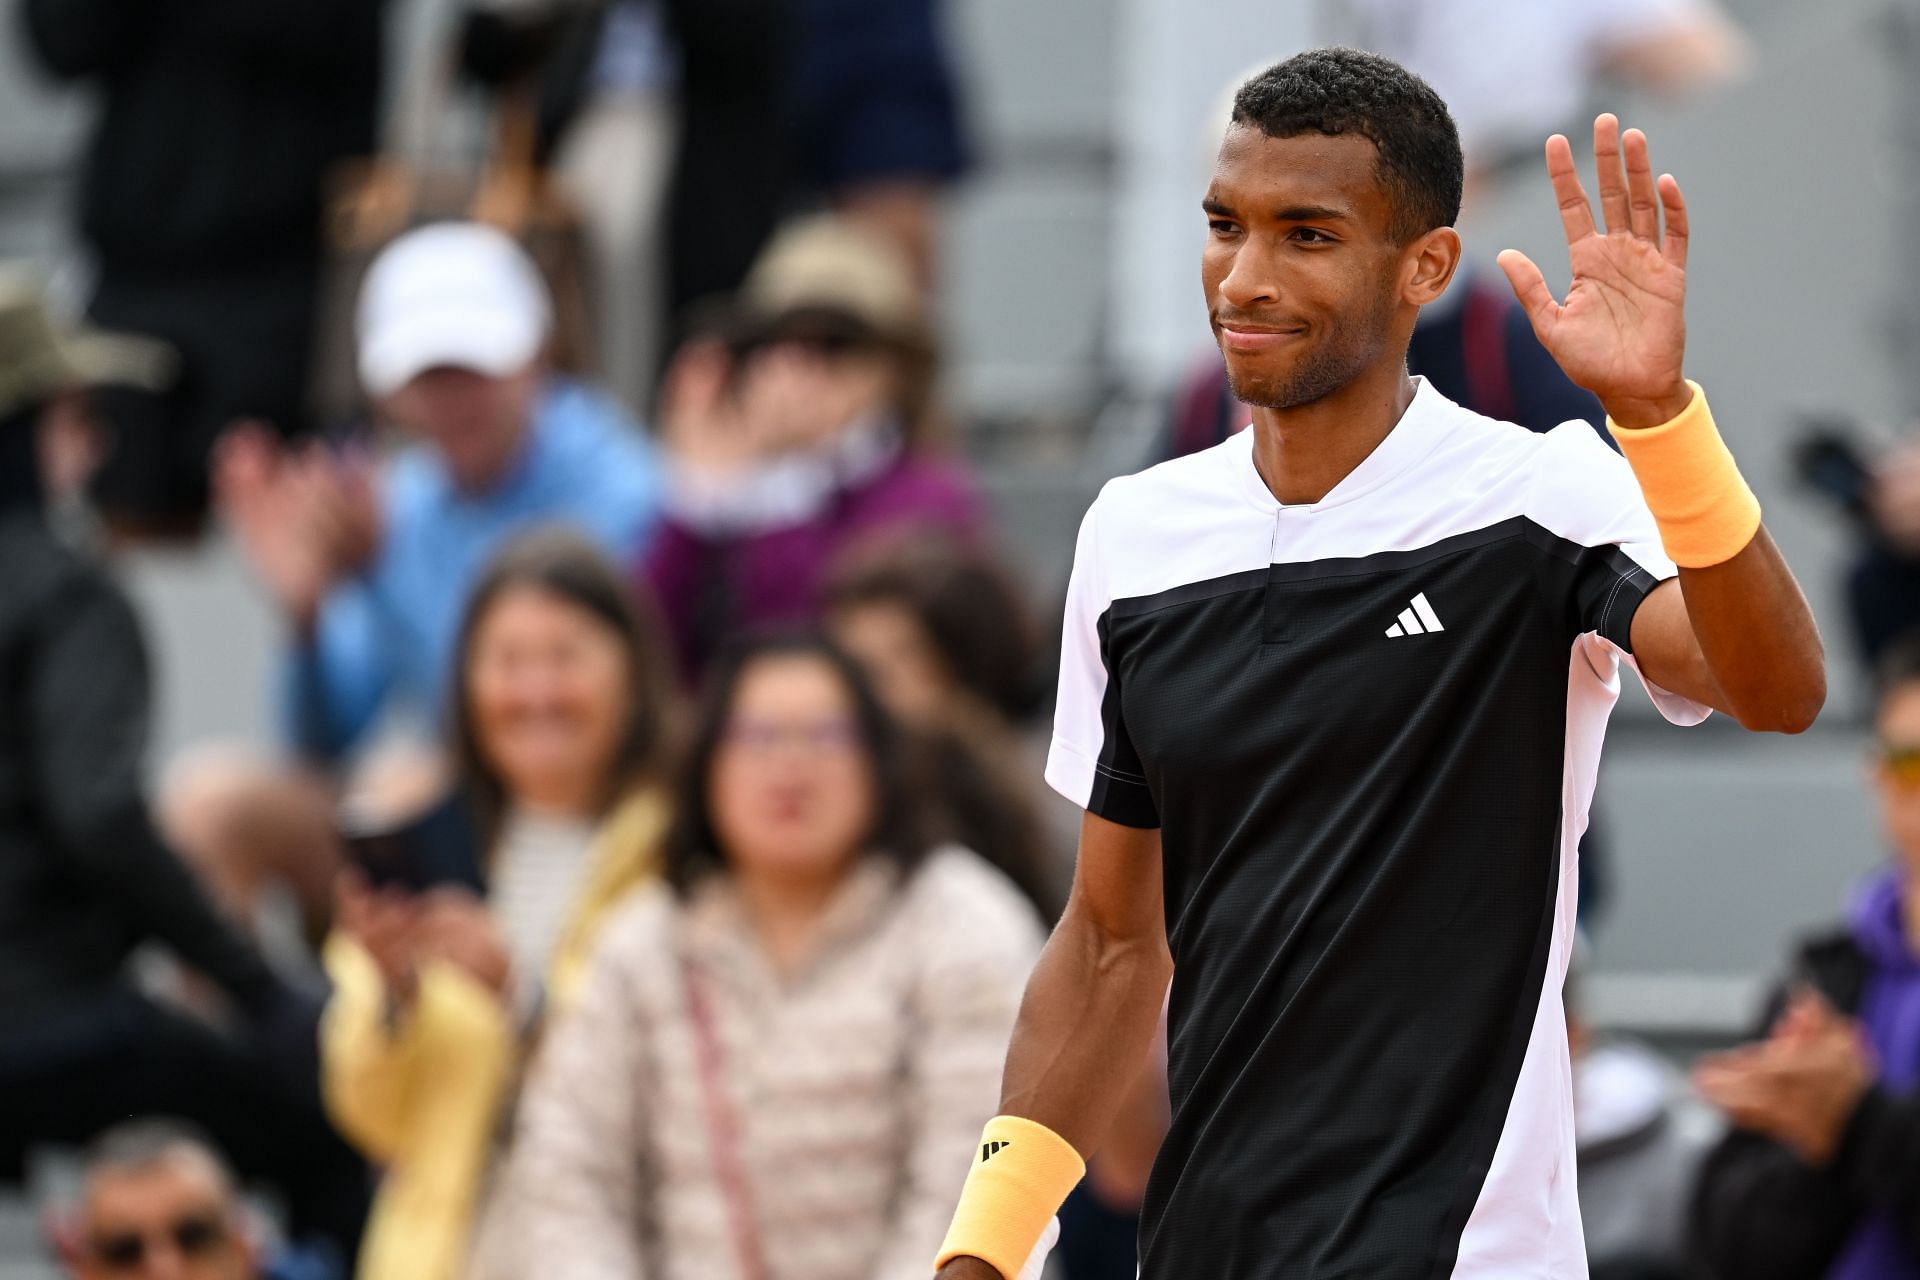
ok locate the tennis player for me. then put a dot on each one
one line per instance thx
(1332, 696)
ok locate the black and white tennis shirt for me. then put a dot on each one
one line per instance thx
(1367, 729)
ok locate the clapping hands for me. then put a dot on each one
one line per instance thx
(723, 411)
(1800, 1085)
(307, 517)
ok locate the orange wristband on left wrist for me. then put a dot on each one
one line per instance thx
(1706, 511)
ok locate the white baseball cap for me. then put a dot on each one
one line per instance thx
(452, 293)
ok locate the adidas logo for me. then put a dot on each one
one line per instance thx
(1417, 618)
(989, 1149)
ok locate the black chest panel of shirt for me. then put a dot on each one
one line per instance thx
(1361, 836)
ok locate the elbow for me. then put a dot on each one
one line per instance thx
(1789, 710)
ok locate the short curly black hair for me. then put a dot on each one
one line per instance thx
(1336, 91)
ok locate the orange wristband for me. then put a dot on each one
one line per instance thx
(1022, 1171)
(1706, 512)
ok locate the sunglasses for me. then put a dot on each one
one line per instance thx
(1901, 760)
(193, 1237)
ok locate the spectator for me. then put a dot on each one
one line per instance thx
(85, 879)
(160, 1204)
(779, 1052)
(805, 431)
(1883, 587)
(1822, 1175)
(452, 320)
(372, 577)
(943, 633)
(560, 728)
(201, 205)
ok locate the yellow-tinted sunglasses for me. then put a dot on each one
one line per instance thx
(1901, 760)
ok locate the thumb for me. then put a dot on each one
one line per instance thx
(1530, 287)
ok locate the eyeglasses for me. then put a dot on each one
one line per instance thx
(197, 1236)
(1902, 762)
(837, 736)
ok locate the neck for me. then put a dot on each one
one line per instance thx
(1304, 451)
(786, 909)
(484, 484)
(563, 797)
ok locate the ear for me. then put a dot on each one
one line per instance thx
(1428, 263)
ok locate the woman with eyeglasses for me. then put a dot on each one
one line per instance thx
(1821, 1174)
(781, 1050)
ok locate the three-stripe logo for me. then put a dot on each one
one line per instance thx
(1417, 618)
(989, 1149)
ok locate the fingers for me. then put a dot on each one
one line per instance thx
(1643, 203)
(350, 902)
(1606, 164)
(1530, 287)
(1576, 216)
(1674, 250)
(244, 459)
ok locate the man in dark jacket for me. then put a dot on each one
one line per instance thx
(1821, 1177)
(202, 202)
(84, 878)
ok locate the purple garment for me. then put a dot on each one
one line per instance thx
(1890, 1012)
(710, 589)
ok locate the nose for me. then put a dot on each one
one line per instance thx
(1248, 283)
(165, 1262)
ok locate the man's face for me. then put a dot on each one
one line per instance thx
(1302, 274)
(172, 1220)
(474, 421)
(1896, 771)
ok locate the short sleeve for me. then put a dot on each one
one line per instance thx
(1092, 760)
(1586, 497)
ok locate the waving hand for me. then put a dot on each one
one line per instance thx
(1621, 332)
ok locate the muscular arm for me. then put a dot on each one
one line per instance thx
(1736, 635)
(1093, 1003)
(1739, 637)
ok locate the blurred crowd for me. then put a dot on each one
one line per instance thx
(653, 859)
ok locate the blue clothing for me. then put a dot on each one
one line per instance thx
(388, 637)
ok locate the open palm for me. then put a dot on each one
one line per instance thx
(1621, 333)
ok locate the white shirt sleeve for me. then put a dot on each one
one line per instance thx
(1091, 760)
(1586, 493)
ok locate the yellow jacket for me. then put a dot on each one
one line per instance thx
(423, 1094)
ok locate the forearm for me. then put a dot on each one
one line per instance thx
(1085, 1028)
(1740, 637)
(1757, 639)
(121, 856)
